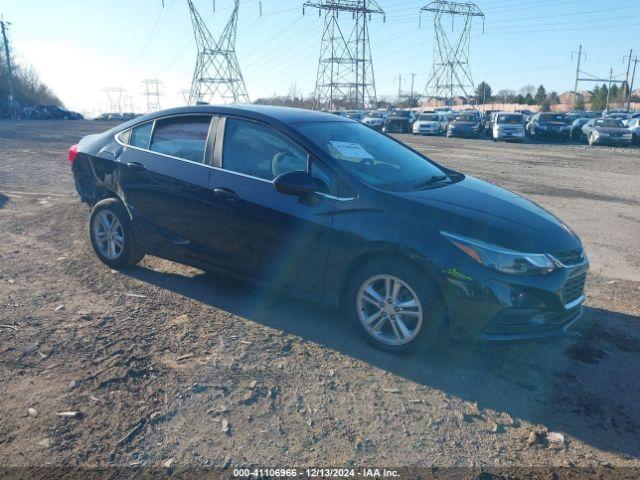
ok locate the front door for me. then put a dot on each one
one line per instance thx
(267, 235)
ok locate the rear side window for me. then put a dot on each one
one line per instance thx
(140, 136)
(260, 151)
(182, 137)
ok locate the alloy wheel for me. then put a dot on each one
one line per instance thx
(389, 310)
(108, 234)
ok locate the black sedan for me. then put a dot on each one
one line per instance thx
(548, 126)
(606, 131)
(328, 209)
(464, 125)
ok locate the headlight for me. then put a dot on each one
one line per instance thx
(502, 259)
(626, 135)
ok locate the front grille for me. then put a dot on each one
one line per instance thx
(573, 288)
(570, 257)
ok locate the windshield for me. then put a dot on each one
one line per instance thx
(609, 123)
(373, 157)
(465, 118)
(510, 119)
(400, 114)
(428, 118)
(550, 117)
(374, 115)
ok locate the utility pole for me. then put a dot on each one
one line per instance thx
(626, 81)
(345, 69)
(609, 87)
(633, 77)
(399, 88)
(4, 25)
(575, 88)
(413, 79)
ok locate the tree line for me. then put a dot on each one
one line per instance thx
(28, 89)
(530, 95)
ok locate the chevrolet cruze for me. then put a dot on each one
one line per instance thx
(328, 209)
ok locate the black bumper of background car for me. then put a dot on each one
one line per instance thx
(492, 306)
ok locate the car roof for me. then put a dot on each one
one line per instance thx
(265, 113)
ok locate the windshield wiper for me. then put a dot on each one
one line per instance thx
(431, 181)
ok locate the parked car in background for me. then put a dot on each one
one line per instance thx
(606, 131)
(429, 124)
(634, 126)
(374, 120)
(464, 125)
(617, 115)
(355, 115)
(549, 126)
(398, 121)
(331, 211)
(508, 126)
(575, 129)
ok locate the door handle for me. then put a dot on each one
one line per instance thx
(136, 167)
(225, 194)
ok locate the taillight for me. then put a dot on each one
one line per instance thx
(73, 153)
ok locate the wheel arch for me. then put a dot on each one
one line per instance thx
(407, 257)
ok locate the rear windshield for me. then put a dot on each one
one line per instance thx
(428, 118)
(374, 115)
(400, 114)
(511, 119)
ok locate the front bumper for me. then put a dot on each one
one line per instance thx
(463, 133)
(396, 128)
(494, 306)
(559, 134)
(375, 126)
(615, 141)
(510, 135)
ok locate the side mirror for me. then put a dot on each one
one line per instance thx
(296, 183)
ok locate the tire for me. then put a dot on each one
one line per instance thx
(425, 329)
(122, 251)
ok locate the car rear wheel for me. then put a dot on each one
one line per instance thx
(112, 235)
(394, 306)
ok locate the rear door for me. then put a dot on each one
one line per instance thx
(265, 234)
(165, 181)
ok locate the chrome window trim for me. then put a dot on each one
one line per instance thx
(221, 125)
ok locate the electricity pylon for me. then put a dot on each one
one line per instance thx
(217, 77)
(345, 70)
(451, 74)
(152, 93)
(115, 98)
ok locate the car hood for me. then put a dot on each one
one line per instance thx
(612, 130)
(479, 210)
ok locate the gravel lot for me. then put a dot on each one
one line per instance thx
(168, 365)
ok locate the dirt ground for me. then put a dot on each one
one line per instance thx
(168, 365)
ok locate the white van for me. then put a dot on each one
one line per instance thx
(507, 126)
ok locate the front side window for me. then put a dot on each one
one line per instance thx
(141, 136)
(372, 157)
(260, 151)
(183, 137)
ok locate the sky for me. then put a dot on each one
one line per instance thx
(81, 47)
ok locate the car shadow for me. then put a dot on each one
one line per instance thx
(583, 385)
(3, 200)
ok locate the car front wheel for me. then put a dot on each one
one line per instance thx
(112, 235)
(394, 305)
